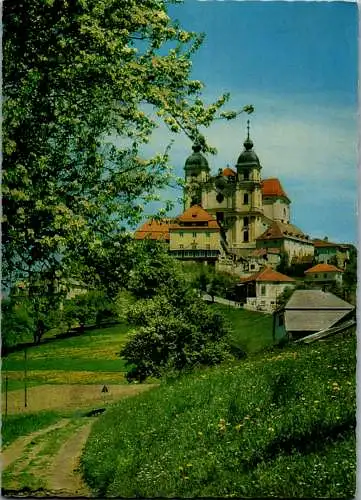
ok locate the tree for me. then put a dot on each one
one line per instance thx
(175, 330)
(17, 322)
(77, 78)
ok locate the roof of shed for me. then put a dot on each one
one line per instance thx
(312, 321)
(316, 300)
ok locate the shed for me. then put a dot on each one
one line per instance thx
(309, 311)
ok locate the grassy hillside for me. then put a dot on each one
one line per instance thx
(80, 359)
(251, 331)
(281, 424)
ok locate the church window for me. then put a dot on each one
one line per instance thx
(245, 199)
(194, 235)
(245, 236)
(181, 234)
(245, 222)
(246, 175)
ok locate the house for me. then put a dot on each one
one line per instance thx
(324, 274)
(195, 235)
(259, 292)
(288, 239)
(260, 257)
(331, 253)
(154, 229)
(309, 311)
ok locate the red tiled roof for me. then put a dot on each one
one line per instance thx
(154, 230)
(279, 230)
(228, 172)
(324, 243)
(193, 215)
(323, 268)
(268, 274)
(272, 187)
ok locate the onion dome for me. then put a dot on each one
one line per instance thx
(196, 162)
(248, 157)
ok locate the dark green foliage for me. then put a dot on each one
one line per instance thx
(17, 321)
(152, 267)
(88, 308)
(174, 335)
(280, 425)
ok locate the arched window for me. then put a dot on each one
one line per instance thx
(245, 199)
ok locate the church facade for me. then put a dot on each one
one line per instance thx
(244, 205)
(235, 219)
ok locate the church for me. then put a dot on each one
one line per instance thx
(234, 218)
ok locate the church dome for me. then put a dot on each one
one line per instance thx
(248, 157)
(196, 161)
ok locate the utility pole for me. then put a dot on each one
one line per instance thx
(6, 395)
(25, 379)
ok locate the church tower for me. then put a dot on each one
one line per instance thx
(249, 206)
(196, 174)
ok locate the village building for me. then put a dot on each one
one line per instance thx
(195, 235)
(260, 291)
(310, 311)
(327, 252)
(154, 229)
(287, 239)
(323, 274)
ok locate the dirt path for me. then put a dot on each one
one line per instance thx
(69, 396)
(64, 477)
(46, 463)
(16, 449)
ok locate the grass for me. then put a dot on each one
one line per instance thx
(94, 352)
(251, 331)
(14, 426)
(280, 424)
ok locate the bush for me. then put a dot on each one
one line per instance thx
(176, 331)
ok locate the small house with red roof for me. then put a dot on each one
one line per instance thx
(195, 235)
(327, 252)
(324, 274)
(259, 292)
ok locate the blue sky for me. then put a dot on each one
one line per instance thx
(296, 62)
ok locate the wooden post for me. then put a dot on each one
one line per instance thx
(6, 395)
(25, 379)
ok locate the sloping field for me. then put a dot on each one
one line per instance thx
(281, 424)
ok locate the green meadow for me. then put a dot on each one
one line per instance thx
(279, 424)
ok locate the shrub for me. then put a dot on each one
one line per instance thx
(174, 336)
